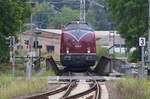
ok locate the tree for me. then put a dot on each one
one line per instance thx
(66, 15)
(12, 15)
(44, 14)
(97, 16)
(131, 18)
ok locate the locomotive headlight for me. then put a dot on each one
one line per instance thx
(67, 50)
(88, 50)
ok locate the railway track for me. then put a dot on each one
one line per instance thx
(73, 90)
(92, 93)
(46, 95)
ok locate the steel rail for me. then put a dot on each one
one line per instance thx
(93, 88)
(46, 94)
(70, 88)
(97, 93)
(98, 88)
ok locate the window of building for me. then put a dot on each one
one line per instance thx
(50, 48)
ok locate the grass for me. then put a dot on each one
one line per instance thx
(10, 87)
(131, 88)
(48, 73)
(6, 69)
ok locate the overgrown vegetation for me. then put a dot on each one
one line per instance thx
(130, 88)
(20, 71)
(6, 69)
(10, 87)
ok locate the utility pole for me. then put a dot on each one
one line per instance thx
(148, 70)
(82, 10)
(30, 62)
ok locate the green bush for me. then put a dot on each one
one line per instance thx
(100, 51)
(134, 56)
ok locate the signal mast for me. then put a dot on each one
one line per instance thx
(82, 10)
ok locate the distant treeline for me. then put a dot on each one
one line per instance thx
(48, 16)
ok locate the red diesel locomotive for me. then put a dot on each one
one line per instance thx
(78, 46)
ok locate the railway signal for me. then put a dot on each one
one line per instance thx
(26, 42)
(10, 41)
(7, 41)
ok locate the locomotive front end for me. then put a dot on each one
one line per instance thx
(78, 47)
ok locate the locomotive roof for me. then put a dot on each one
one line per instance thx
(74, 25)
(77, 22)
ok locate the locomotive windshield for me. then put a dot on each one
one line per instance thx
(81, 26)
(78, 29)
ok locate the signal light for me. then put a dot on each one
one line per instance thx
(35, 44)
(9, 41)
(26, 42)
